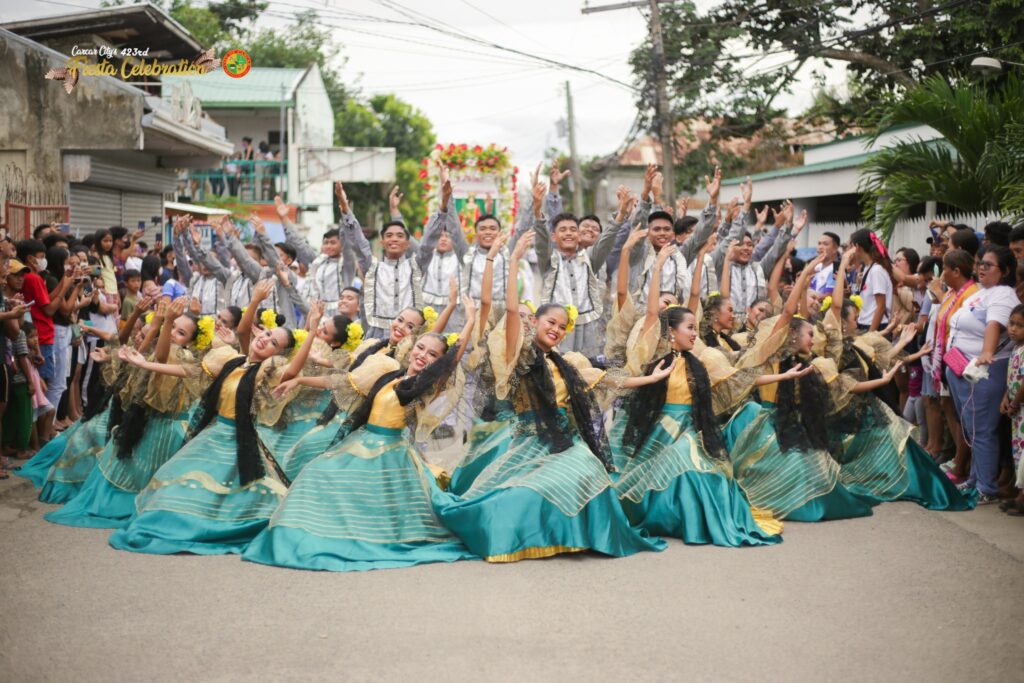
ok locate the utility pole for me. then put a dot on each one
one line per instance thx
(574, 164)
(665, 123)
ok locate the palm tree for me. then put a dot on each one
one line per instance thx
(977, 167)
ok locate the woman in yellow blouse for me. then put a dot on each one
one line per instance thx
(220, 489)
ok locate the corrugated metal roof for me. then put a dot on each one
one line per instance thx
(834, 165)
(260, 88)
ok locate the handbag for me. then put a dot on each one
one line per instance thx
(956, 361)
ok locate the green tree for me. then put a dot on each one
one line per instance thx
(387, 121)
(978, 166)
(212, 24)
(722, 63)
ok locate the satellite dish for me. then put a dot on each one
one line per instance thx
(988, 65)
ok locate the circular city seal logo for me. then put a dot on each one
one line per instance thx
(237, 63)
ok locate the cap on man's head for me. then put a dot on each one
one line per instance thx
(15, 267)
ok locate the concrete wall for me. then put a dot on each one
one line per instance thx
(40, 119)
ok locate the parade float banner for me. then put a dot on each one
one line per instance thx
(482, 177)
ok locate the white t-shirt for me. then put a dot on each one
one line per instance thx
(876, 281)
(967, 325)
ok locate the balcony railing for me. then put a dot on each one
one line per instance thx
(248, 181)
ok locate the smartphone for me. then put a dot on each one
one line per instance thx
(30, 303)
(64, 228)
(142, 225)
(935, 270)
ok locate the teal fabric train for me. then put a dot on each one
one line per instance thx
(69, 473)
(107, 499)
(366, 503)
(530, 502)
(196, 502)
(795, 485)
(671, 487)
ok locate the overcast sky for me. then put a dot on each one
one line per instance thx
(472, 93)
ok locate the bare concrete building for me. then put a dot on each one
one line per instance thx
(109, 149)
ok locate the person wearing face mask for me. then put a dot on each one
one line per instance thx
(219, 490)
(45, 304)
(153, 426)
(327, 521)
(550, 492)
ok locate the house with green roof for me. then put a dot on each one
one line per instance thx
(282, 125)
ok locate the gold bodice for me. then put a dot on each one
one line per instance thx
(386, 410)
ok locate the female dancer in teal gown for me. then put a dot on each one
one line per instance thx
(368, 501)
(550, 493)
(103, 409)
(780, 448)
(879, 459)
(677, 479)
(153, 427)
(216, 493)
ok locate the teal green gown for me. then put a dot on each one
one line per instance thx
(486, 441)
(107, 499)
(672, 487)
(366, 503)
(38, 466)
(531, 503)
(794, 485)
(76, 462)
(880, 461)
(196, 502)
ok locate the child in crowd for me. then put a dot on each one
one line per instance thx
(1013, 408)
(132, 285)
(18, 418)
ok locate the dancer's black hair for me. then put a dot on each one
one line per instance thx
(548, 420)
(332, 409)
(408, 390)
(712, 306)
(136, 416)
(644, 405)
(236, 314)
(247, 446)
(801, 423)
(853, 357)
(341, 323)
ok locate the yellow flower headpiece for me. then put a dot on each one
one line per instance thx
(354, 336)
(826, 303)
(673, 306)
(204, 332)
(857, 301)
(573, 313)
(715, 293)
(429, 318)
(797, 315)
(300, 337)
(268, 319)
(149, 318)
(529, 304)
(452, 339)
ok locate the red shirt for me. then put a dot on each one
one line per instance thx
(35, 290)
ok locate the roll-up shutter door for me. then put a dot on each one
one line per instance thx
(137, 206)
(93, 208)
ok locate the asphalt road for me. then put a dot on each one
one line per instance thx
(905, 595)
